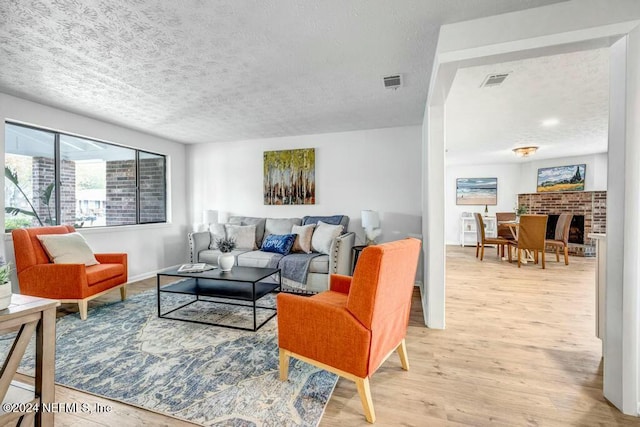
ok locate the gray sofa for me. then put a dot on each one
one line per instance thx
(337, 261)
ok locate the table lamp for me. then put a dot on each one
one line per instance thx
(371, 224)
(209, 217)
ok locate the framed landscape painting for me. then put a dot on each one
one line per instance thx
(290, 177)
(561, 178)
(477, 191)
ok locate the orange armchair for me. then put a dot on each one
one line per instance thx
(69, 283)
(354, 327)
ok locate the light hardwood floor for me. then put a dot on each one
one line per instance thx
(519, 349)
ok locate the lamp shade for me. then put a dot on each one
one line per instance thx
(210, 216)
(223, 217)
(370, 219)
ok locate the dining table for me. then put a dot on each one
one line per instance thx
(513, 228)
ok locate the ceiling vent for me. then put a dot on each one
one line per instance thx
(392, 82)
(493, 80)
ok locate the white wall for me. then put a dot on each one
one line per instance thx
(595, 179)
(513, 179)
(372, 169)
(150, 247)
(508, 181)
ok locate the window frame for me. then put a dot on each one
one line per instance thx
(58, 180)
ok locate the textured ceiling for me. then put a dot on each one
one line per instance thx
(205, 71)
(485, 124)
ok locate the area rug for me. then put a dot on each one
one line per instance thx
(204, 374)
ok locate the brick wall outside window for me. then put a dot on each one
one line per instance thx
(121, 192)
(42, 176)
(152, 190)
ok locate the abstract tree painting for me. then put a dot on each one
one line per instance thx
(289, 177)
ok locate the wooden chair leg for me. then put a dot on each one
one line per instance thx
(402, 352)
(365, 397)
(284, 365)
(123, 293)
(557, 254)
(542, 254)
(482, 252)
(477, 249)
(519, 256)
(566, 255)
(83, 307)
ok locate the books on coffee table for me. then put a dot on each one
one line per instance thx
(195, 268)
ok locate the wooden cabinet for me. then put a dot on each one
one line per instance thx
(468, 235)
(29, 315)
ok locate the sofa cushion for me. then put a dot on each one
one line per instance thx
(251, 220)
(280, 225)
(319, 264)
(210, 256)
(70, 248)
(244, 235)
(217, 231)
(323, 236)
(278, 243)
(303, 233)
(259, 259)
(101, 272)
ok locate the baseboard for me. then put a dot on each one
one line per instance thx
(148, 274)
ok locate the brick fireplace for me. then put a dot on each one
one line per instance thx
(591, 204)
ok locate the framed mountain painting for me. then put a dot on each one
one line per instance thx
(561, 178)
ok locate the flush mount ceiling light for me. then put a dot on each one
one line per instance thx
(550, 122)
(524, 151)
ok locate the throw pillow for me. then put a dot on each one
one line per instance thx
(216, 231)
(303, 233)
(244, 235)
(278, 243)
(251, 220)
(323, 236)
(70, 248)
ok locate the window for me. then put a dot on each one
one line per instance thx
(100, 184)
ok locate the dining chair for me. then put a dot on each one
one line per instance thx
(532, 231)
(561, 237)
(483, 240)
(503, 219)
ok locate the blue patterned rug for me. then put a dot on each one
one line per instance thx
(208, 375)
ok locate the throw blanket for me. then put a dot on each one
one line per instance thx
(274, 261)
(296, 266)
(333, 220)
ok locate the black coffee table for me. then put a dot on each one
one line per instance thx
(247, 284)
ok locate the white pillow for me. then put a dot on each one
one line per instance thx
(70, 248)
(323, 236)
(216, 231)
(303, 239)
(244, 235)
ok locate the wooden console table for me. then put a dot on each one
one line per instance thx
(28, 315)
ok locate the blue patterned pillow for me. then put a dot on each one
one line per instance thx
(278, 243)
